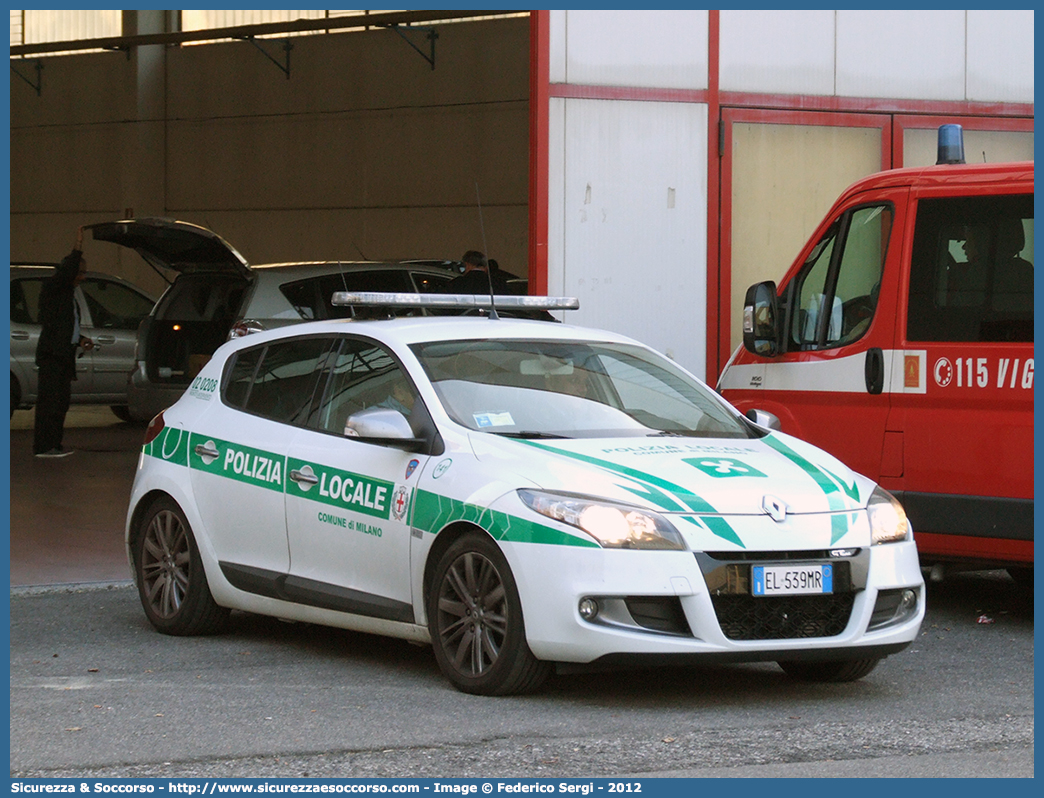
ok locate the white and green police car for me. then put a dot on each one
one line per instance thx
(522, 495)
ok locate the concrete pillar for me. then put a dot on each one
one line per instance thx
(143, 179)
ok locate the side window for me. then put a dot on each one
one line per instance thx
(971, 274)
(114, 306)
(311, 298)
(431, 283)
(362, 376)
(278, 381)
(304, 298)
(25, 301)
(835, 294)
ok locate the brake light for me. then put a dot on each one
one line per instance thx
(245, 327)
(155, 428)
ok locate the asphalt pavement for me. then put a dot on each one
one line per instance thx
(67, 514)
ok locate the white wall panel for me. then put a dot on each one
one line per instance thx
(916, 55)
(660, 49)
(786, 52)
(1000, 56)
(635, 219)
(557, 44)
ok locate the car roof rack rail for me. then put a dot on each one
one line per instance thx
(454, 301)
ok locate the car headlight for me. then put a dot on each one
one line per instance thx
(614, 526)
(888, 522)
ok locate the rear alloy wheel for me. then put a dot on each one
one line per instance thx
(475, 622)
(171, 582)
(844, 670)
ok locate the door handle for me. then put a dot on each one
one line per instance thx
(206, 450)
(105, 339)
(307, 477)
(873, 370)
(19, 335)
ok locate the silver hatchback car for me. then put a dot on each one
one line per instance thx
(215, 294)
(110, 311)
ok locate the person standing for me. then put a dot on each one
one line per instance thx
(478, 278)
(56, 351)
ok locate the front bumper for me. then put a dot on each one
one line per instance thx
(657, 603)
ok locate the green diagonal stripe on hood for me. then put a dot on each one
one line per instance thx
(652, 489)
(833, 488)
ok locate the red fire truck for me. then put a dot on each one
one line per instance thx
(901, 341)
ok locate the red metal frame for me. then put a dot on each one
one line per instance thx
(581, 91)
(714, 183)
(539, 133)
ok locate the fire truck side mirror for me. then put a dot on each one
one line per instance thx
(760, 315)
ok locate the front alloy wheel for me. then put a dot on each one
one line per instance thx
(475, 622)
(171, 582)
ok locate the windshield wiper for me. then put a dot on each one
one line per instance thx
(530, 435)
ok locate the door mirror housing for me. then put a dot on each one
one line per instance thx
(760, 320)
(383, 426)
(765, 419)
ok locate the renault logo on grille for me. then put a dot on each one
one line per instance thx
(776, 509)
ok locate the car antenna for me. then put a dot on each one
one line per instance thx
(489, 276)
(340, 273)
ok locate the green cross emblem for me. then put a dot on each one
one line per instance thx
(720, 467)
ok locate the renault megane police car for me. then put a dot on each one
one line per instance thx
(520, 495)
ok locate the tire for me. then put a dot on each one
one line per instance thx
(473, 589)
(122, 412)
(1023, 577)
(171, 582)
(844, 670)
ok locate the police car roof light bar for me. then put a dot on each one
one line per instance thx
(453, 301)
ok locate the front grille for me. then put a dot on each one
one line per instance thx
(782, 617)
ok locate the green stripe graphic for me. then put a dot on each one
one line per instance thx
(432, 512)
(241, 463)
(833, 488)
(652, 489)
(343, 489)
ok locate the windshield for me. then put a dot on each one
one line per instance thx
(571, 389)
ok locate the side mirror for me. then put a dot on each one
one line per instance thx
(383, 426)
(760, 313)
(765, 419)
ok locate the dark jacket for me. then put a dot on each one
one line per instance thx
(477, 281)
(57, 316)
